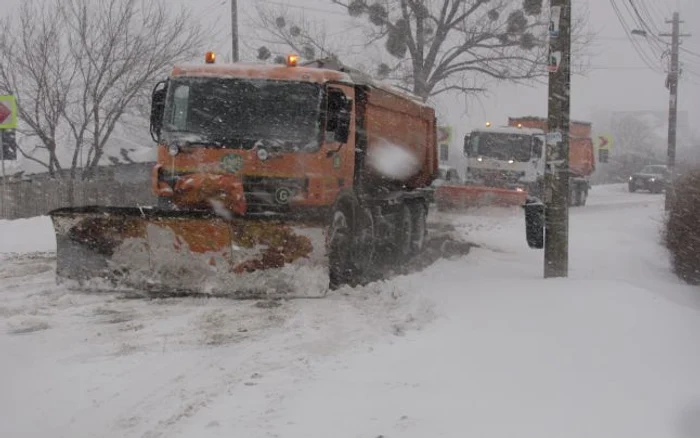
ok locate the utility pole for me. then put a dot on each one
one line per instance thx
(556, 226)
(234, 30)
(672, 84)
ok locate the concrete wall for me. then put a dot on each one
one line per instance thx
(121, 185)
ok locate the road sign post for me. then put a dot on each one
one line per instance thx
(8, 120)
(604, 145)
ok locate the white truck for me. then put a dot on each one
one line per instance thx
(506, 158)
(514, 157)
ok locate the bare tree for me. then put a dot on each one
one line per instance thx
(34, 67)
(435, 46)
(635, 144)
(305, 37)
(78, 66)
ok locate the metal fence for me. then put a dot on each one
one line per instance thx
(127, 186)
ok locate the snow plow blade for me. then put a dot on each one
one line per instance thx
(461, 197)
(170, 253)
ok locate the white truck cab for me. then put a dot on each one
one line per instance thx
(505, 157)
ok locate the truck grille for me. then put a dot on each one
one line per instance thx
(497, 176)
(265, 193)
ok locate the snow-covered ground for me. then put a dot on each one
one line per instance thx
(477, 346)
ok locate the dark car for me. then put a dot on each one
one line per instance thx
(652, 178)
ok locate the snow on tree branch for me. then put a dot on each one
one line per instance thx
(429, 46)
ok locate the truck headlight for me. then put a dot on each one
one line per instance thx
(173, 150)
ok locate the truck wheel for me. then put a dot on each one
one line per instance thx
(404, 233)
(419, 216)
(339, 251)
(584, 197)
(364, 243)
(572, 195)
(165, 204)
(578, 195)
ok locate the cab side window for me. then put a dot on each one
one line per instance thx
(333, 108)
(337, 115)
(537, 145)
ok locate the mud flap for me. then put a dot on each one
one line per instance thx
(182, 253)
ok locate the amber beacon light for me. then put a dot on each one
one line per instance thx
(210, 57)
(292, 60)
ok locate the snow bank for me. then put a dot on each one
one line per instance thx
(27, 235)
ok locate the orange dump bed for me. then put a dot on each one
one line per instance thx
(401, 134)
(581, 150)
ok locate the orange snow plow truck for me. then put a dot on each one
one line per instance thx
(272, 180)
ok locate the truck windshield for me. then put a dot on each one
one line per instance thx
(243, 112)
(502, 146)
(654, 169)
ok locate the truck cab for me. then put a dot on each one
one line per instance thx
(505, 157)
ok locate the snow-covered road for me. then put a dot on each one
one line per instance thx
(476, 346)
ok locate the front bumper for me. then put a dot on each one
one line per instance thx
(650, 184)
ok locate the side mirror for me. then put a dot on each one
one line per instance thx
(467, 145)
(158, 108)
(534, 223)
(342, 127)
(536, 149)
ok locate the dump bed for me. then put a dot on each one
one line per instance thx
(581, 150)
(402, 139)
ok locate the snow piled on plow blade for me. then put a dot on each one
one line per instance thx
(181, 253)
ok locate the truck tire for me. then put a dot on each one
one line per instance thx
(404, 233)
(364, 242)
(165, 204)
(339, 250)
(419, 215)
(572, 194)
(584, 196)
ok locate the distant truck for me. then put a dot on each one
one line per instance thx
(513, 157)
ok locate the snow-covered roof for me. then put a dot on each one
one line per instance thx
(321, 71)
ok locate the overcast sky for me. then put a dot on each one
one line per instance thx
(619, 80)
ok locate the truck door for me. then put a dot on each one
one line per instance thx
(338, 123)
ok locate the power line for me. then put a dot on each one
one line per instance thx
(631, 38)
(690, 52)
(303, 8)
(643, 23)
